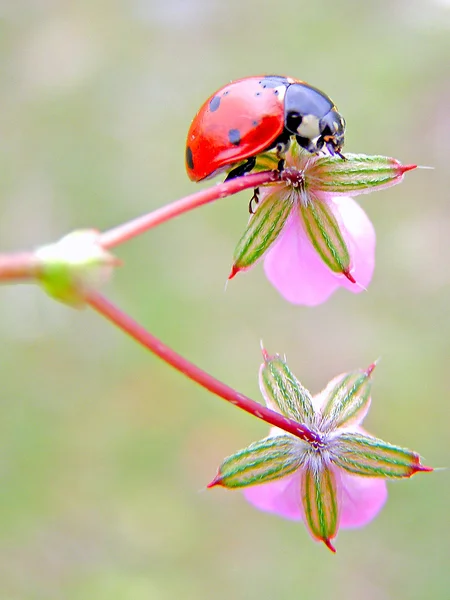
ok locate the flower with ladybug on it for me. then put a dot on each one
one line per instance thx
(314, 237)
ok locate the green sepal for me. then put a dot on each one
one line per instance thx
(263, 227)
(320, 505)
(323, 231)
(348, 400)
(268, 459)
(266, 161)
(280, 386)
(364, 455)
(357, 174)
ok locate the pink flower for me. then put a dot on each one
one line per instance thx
(296, 270)
(313, 236)
(335, 476)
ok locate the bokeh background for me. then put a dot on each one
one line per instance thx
(105, 451)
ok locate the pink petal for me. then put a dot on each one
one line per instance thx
(281, 497)
(294, 267)
(361, 499)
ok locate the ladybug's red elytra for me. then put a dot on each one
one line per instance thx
(256, 114)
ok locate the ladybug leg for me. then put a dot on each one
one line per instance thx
(242, 169)
(254, 201)
(333, 150)
(308, 145)
(282, 147)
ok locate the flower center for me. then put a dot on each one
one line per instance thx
(293, 177)
(318, 445)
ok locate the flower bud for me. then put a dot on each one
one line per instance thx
(71, 267)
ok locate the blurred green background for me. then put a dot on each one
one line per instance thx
(105, 451)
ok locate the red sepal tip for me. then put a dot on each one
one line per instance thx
(233, 272)
(405, 168)
(329, 545)
(423, 468)
(265, 354)
(216, 481)
(370, 369)
(349, 276)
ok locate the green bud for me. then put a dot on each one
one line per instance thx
(265, 460)
(71, 267)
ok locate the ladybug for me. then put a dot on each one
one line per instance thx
(253, 115)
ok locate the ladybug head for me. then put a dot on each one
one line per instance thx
(332, 131)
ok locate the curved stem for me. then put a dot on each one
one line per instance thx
(149, 341)
(131, 229)
(23, 266)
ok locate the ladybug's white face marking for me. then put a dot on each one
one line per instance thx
(309, 127)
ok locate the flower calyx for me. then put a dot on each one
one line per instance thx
(306, 193)
(311, 476)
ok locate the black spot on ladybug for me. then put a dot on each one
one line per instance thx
(273, 81)
(226, 93)
(275, 92)
(234, 136)
(214, 103)
(255, 123)
(189, 159)
(258, 94)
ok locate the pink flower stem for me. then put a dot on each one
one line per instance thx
(20, 266)
(149, 341)
(23, 266)
(126, 231)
